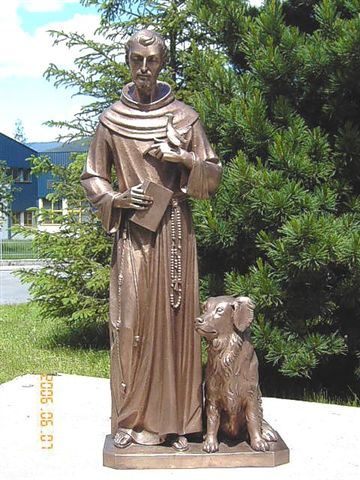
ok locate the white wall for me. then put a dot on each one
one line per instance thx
(4, 230)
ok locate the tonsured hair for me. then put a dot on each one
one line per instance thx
(146, 38)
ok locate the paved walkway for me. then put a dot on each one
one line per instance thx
(12, 291)
(323, 439)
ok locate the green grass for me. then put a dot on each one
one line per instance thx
(27, 345)
(30, 344)
(321, 395)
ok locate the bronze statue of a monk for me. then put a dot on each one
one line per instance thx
(155, 352)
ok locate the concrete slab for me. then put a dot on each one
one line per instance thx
(323, 439)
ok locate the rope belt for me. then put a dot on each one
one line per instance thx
(121, 246)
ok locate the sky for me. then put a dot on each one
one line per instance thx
(26, 49)
(25, 52)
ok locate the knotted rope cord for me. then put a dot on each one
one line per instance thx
(121, 247)
(120, 252)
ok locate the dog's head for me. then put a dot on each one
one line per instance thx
(222, 315)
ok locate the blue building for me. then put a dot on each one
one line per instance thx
(30, 190)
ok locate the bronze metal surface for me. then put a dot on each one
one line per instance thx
(155, 353)
(151, 217)
(240, 455)
(233, 397)
(150, 138)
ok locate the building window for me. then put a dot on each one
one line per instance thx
(21, 175)
(27, 177)
(52, 205)
(28, 219)
(16, 174)
(16, 218)
(52, 210)
(78, 213)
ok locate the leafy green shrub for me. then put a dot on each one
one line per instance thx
(73, 285)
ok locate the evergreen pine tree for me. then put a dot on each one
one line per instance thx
(282, 105)
(19, 133)
(72, 288)
(277, 89)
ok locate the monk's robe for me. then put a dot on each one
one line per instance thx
(155, 356)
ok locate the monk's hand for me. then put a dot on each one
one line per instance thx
(165, 152)
(134, 197)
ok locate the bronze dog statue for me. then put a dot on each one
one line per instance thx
(233, 397)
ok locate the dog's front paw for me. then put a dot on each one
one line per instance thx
(211, 444)
(259, 444)
(269, 433)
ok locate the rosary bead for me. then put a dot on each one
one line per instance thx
(175, 255)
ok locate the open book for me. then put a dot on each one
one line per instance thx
(151, 217)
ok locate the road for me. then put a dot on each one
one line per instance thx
(11, 289)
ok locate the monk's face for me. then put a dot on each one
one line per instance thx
(145, 63)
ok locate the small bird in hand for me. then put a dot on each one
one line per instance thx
(174, 142)
(174, 136)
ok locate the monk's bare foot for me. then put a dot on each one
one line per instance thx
(122, 439)
(180, 444)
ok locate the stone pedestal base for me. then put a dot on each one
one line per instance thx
(160, 456)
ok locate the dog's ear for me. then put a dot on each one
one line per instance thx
(243, 312)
